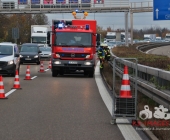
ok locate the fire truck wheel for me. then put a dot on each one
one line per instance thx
(91, 73)
(85, 73)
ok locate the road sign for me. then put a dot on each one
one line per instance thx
(15, 33)
(161, 10)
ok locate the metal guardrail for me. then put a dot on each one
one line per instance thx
(154, 90)
(145, 47)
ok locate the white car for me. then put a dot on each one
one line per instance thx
(9, 58)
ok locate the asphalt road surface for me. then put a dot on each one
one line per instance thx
(67, 107)
(161, 51)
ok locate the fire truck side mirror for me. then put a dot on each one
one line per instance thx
(98, 38)
(48, 38)
(98, 43)
(48, 42)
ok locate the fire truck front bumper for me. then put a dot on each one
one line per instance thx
(86, 65)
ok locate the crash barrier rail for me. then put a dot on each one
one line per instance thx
(153, 82)
(145, 47)
(68, 6)
(124, 92)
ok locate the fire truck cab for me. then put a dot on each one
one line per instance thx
(73, 46)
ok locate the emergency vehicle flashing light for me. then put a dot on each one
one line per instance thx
(87, 27)
(61, 26)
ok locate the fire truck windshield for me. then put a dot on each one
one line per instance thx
(74, 39)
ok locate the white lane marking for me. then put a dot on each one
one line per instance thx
(127, 130)
(102, 89)
(8, 93)
(34, 77)
(47, 69)
(150, 50)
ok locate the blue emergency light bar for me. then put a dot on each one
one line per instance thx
(60, 25)
(87, 27)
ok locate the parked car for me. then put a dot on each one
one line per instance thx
(30, 53)
(9, 58)
(45, 52)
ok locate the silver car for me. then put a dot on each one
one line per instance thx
(45, 52)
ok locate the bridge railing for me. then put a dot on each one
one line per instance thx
(146, 4)
(153, 82)
(108, 4)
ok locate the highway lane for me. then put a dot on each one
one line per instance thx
(60, 108)
(161, 51)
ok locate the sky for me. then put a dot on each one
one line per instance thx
(116, 20)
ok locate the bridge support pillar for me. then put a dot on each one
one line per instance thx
(131, 30)
(126, 29)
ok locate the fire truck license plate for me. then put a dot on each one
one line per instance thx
(72, 62)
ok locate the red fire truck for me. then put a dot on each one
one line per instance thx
(73, 45)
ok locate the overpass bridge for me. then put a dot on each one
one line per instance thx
(14, 7)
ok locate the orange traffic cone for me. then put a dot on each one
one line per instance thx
(49, 66)
(2, 93)
(16, 81)
(125, 91)
(27, 76)
(42, 67)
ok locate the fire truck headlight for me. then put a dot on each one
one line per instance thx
(87, 56)
(57, 62)
(57, 55)
(87, 63)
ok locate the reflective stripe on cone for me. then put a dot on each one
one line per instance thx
(16, 81)
(28, 76)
